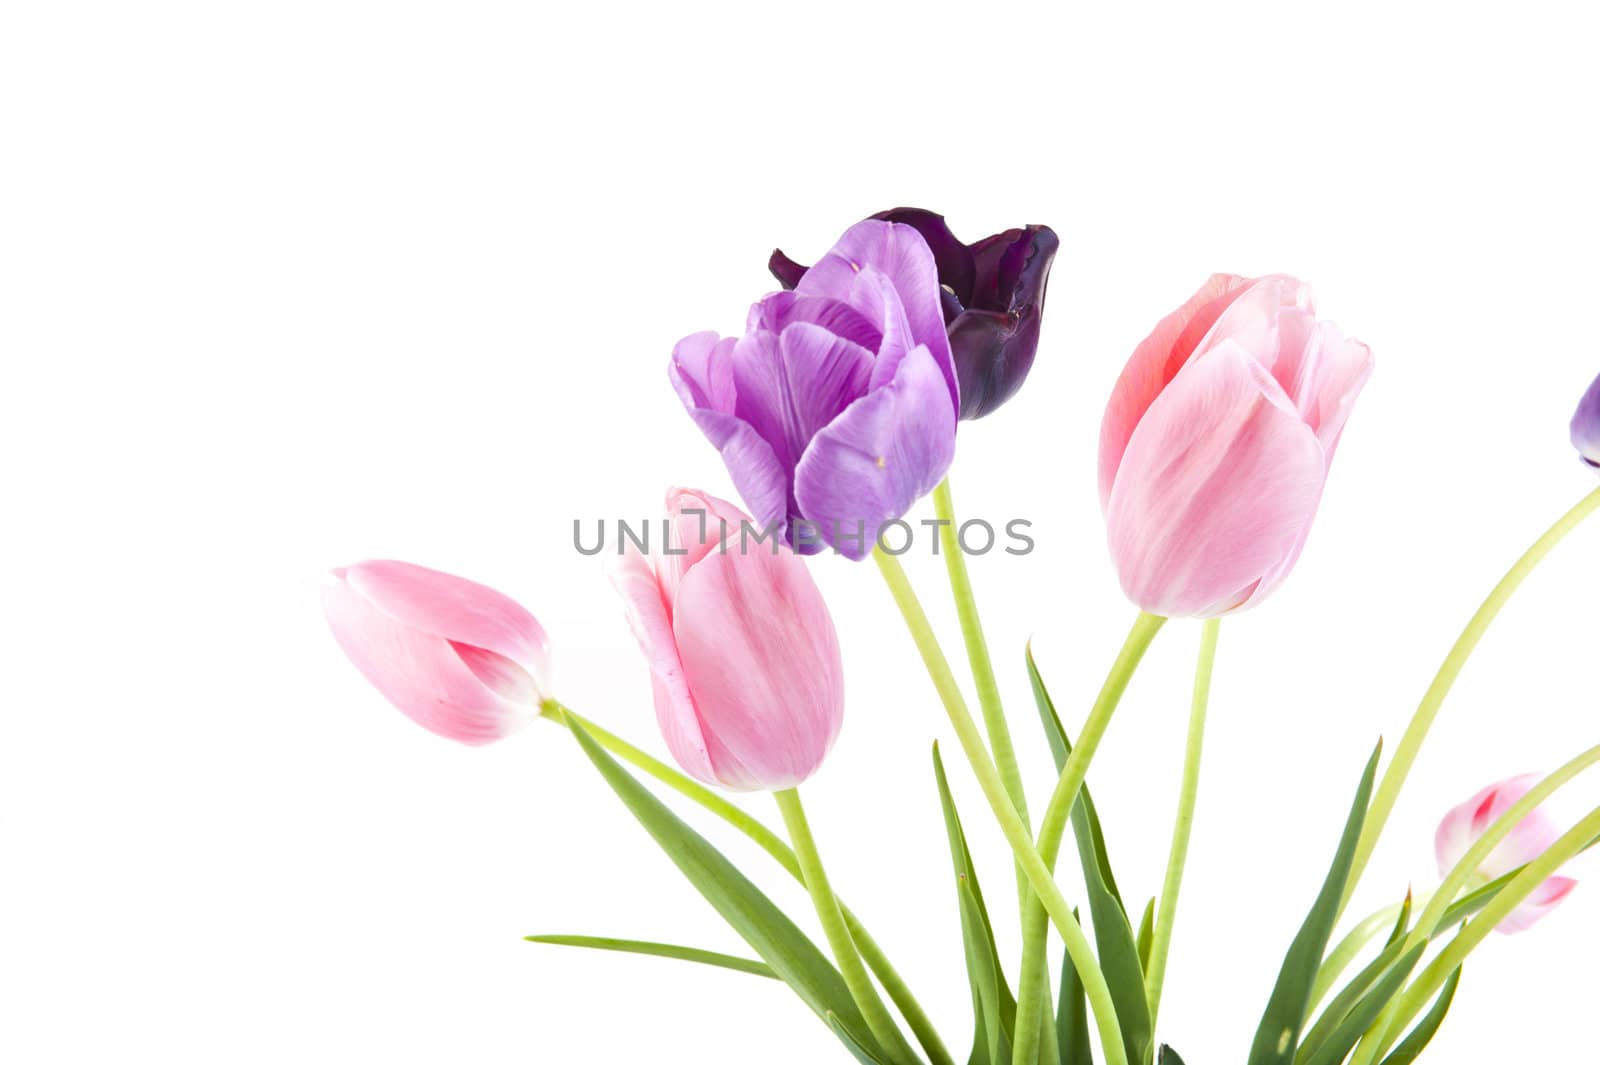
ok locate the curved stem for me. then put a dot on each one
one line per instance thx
(1034, 1012)
(1339, 959)
(893, 983)
(1016, 833)
(1054, 823)
(1405, 754)
(873, 1011)
(1167, 911)
(1380, 1036)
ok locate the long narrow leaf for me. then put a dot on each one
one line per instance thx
(660, 950)
(852, 1042)
(1169, 1056)
(1072, 1016)
(1114, 938)
(1342, 1037)
(1417, 1040)
(793, 958)
(1279, 1034)
(993, 1006)
(1147, 934)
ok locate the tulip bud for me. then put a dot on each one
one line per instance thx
(1217, 441)
(1586, 426)
(992, 297)
(1532, 836)
(459, 659)
(748, 683)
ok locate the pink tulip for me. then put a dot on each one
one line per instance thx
(456, 657)
(1533, 835)
(749, 688)
(1216, 444)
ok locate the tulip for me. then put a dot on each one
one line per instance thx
(1586, 426)
(749, 688)
(992, 296)
(837, 408)
(459, 659)
(1217, 442)
(1533, 835)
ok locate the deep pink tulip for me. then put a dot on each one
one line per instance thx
(456, 657)
(1217, 441)
(1532, 836)
(749, 688)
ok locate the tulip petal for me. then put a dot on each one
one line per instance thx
(1586, 425)
(901, 254)
(457, 610)
(953, 259)
(1155, 362)
(993, 353)
(791, 385)
(419, 672)
(650, 618)
(760, 653)
(1533, 909)
(886, 451)
(1219, 480)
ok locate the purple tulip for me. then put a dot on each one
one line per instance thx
(992, 296)
(1586, 426)
(836, 411)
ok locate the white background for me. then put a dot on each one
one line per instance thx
(284, 286)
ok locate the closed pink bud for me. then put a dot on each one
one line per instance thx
(1217, 441)
(749, 687)
(1532, 836)
(456, 657)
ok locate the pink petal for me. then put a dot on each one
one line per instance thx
(419, 672)
(650, 616)
(698, 523)
(1155, 362)
(456, 609)
(1217, 486)
(1546, 897)
(762, 658)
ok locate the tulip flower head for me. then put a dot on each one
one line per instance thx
(459, 659)
(837, 408)
(1586, 426)
(1533, 835)
(748, 683)
(1217, 442)
(992, 296)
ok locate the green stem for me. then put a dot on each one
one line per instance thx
(1016, 833)
(769, 841)
(854, 972)
(1144, 630)
(1167, 911)
(1380, 1036)
(1405, 754)
(1034, 1012)
(1350, 947)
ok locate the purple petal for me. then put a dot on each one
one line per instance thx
(786, 270)
(1586, 426)
(792, 384)
(781, 309)
(993, 353)
(957, 274)
(880, 456)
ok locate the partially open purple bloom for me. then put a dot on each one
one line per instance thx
(992, 297)
(1586, 426)
(837, 408)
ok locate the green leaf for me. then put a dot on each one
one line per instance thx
(1169, 1056)
(793, 958)
(1406, 1051)
(1337, 1040)
(1279, 1034)
(993, 1007)
(1147, 934)
(1113, 935)
(660, 950)
(1072, 1016)
(851, 1043)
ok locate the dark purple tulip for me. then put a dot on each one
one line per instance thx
(992, 297)
(837, 408)
(1586, 426)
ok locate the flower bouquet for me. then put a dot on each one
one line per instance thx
(835, 413)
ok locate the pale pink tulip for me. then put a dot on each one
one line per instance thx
(749, 688)
(459, 659)
(1217, 441)
(1533, 835)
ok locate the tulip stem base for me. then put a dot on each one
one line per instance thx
(1177, 857)
(854, 972)
(1410, 745)
(916, 1017)
(1017, 835)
